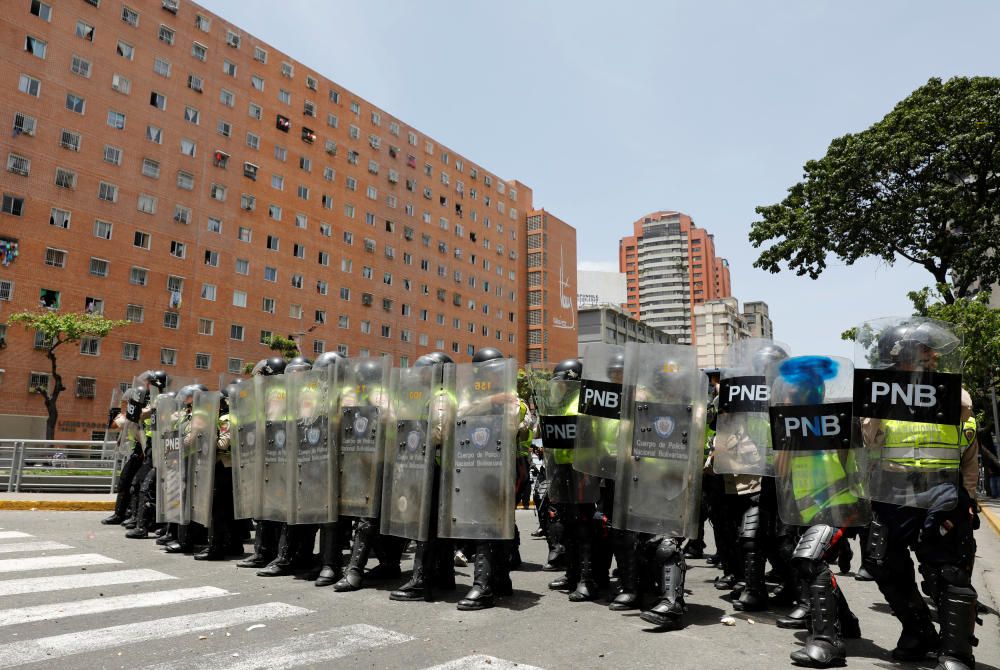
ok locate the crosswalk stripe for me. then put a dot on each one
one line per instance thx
(15, 587)
(46, 562)
(482, 662)
(12, 534)
(301, 650)
(14, 547)
(58, 646)
(19, 615)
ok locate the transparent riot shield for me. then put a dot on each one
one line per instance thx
(314, 489)
(112, 430)
(204, 440)
(409, 451)
(364, 401)
(818, 476)
(170, 478)
(600, 410)
(275, 482)
(660, 441)
(478, 462)
(743, 430)
(908, 405)
(248, 458)
(557, 401)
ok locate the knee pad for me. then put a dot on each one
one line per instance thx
(816, 542)
(667, 550)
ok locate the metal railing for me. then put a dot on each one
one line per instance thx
(57, 465)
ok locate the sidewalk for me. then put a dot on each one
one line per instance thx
(990, 512)
(69, 502)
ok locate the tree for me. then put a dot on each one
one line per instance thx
(921, 185)
(58, 329)
(286, 346)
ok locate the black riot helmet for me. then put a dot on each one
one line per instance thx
(267, 367)
(185, 396)
(298, 364)
(766, 359)
(487, 354)
(432, 358)
(615, 368)
(570, 369)
(328, 359)
(158, 378)
(370, 371)
(425, 361)
(917, 343)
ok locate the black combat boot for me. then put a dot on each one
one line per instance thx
(263, 547)
(168, 536)
(627, 558)
(331, 557)
(798, 618)
(282, 563)
(147, 516)
(825, 648)
(568, 581)
(354, 575)
(418, 588)
(557, 551)
(919, 637)
(113, 520)
(754, 596)
(480, 596)
(668, 612)
(957, 614)
(586, 588)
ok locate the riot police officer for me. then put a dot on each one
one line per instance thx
(223, 540)
(921, 478)
(267, 533)
(187, 533)
(331, 556)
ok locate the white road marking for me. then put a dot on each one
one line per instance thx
(49, 649)
(14, 547)
(14, 587)
(482, 662)
(12, 534)
(46, 562)
(19, 615)
(301, 650)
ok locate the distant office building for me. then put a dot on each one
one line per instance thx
(757, 319)
(599, 288)
(551, 279)
(609, 324)
(718, 323)
(670, 267)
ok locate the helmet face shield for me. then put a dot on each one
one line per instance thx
(909, 343)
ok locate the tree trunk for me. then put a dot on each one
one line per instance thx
(50, 423)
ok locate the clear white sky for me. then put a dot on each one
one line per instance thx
(612, 110)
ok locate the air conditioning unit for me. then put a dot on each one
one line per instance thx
(171, 5)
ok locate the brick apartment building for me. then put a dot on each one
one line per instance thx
(670, 266)
(165, 167)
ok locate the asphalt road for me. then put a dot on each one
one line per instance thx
(66, 602)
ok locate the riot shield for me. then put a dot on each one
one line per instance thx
(247, 457)
(599, 411)
(478, 460)
(204, 440)
(274, 503)
(314, 489)
(557, 401)
(818, 477)
(170, 476)
(908, 404)
(112, 431)
(364, 401)
(661, 440)
(743, 431)
(409, 451)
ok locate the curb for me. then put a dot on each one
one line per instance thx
(992, 518)
(57, 505)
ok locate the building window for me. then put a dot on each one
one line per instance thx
(185, 180)
(154, 134)
(199, 51)
(138, 276)
(239, 298)
(267, 305)
(102, 229)
(130, 16)
(211, 258)
(99, 267)
(115, 119)
(182, 214)
(259, 55)
(178, 249)
(242, 266)
(141, 239)
(192, 115)
(85, 31)
(227, 98)
(150, 168)
(206, 327)
(55, 258)
(166, 35)
(168, 356)
(208, 292)
(234, 365)
(225, 128)
(202, 361)
(130, 351)
(86, 387)
(70, 140)
(65, 178)
(236, 332)
(171, 320)
(158, 100)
